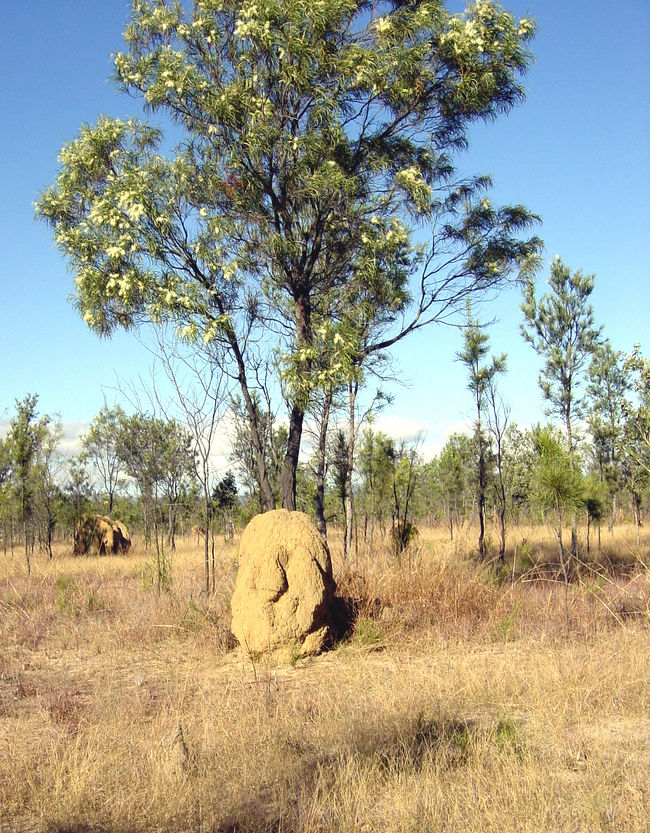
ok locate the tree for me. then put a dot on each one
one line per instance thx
(158, 455)
(339, 454)
(265, 444)
(48, 465)
(636, 461)
(99, 448)
(558, 488)
(497, 419)
(315, 137)
(560, 328)
(7, 501)
(456, 458)
(375, 470)
(518, 462)
(77, 491)
(608, 385)
(25, 437)
(481, 380)
(556, 484)
(595, 502)
(225, 501)
(202, 394)
(405, 462)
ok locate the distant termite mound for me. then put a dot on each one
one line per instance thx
(101, 535)
(284, 589)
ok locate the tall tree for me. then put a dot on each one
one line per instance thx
(481, 378)
(315, 136)
(560, 327)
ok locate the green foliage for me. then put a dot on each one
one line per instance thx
(224, 494)
(367, 632)
(100, 449)
(157, 574)
(455, 463)
(66, 595)
(557, 484)
(29, 461)
(594, 498)
(403, 534)
(506, 734)
(560, 327)
(315, 137)
(505, 627)
(481, 382)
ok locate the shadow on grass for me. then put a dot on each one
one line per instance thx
(282, 802)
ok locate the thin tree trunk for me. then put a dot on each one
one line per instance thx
(267, 499)
(636, 503)
(319, 500)
(206, 543)
(565, 571)
(481, 492)
(614, 511)
(349, 496)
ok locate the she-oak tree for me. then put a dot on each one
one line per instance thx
(316, 136)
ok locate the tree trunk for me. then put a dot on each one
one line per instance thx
(267, 499)
(290, 465)
(636, 505)
(349, 496)
(614, 511)
(574, 519)
(319, 500)
(502, 534)
(206, 544)
(481, 490)
(302, 312)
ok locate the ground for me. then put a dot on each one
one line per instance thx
(463, 700)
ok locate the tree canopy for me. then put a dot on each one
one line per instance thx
(317, 142)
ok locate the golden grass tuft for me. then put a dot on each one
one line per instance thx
(462, 702)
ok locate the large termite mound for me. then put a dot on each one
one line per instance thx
(284, 588)
(101, 534)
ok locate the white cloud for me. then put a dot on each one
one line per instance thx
(70, 444)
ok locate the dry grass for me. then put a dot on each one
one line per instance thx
(461, 702)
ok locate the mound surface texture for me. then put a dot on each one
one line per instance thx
(284, 587)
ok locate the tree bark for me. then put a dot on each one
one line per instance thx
(349, 496)
(267, 498)
(290, 465)
(319, 501)
(297, 415)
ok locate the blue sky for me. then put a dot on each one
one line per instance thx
(576, 151)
